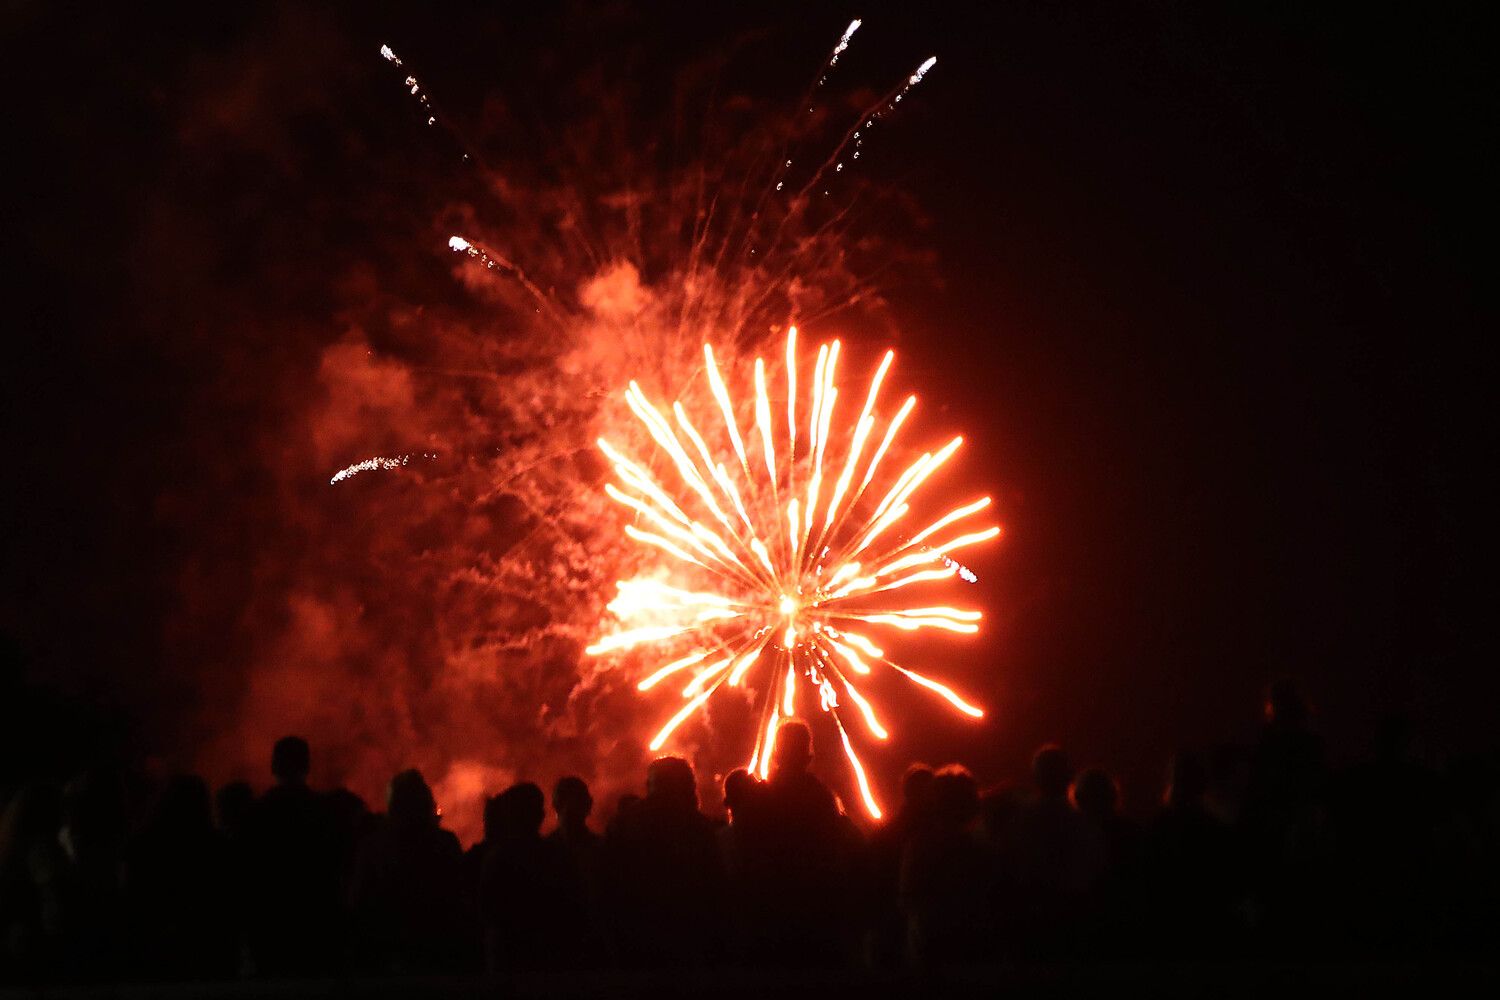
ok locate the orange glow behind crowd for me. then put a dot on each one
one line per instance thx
(778, 563)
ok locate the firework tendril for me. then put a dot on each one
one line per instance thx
(793, 542)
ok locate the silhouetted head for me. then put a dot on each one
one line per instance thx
(739, 786)
(1051, 771)
(410, 802)
(232, 805)
(572, 802)
(998, 808)
(670, 781)
(626, 807)
(916, 787)
(347, 810)
(520, 809)
(1187, 780)
(291, 760)
(1285, 705)
(955, 795)
(794, 749)
(1095, 794)
(494, 817)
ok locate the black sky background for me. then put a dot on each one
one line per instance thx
(1211, 309)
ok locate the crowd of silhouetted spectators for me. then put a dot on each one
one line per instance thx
(1258, 852)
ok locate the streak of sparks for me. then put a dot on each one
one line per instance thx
(379, 463)
(843, 44)
(800, 556)
(412, 83)
(838, 50)
(495, 262)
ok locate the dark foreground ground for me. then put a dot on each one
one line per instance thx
(1155, 980)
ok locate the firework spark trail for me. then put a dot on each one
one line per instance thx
(843, 44)
(494, 262)
(702, 271)
(757, 282)
(855, 134)
(416, 90)
(378, 463)
(856, 131)
(784, 162)
(822, 79)
(807, 613)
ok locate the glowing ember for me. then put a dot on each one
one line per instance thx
(798, 555)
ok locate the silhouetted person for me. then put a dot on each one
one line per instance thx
(664, 877)
(792, 791)
(945, 877)
(573, 805)
(292, 878)
(531, 907)
(741, 797)
(741, 792)
(1228, 783)
(234, 810)
(887, 933)
(1096, 796)
(33, 882)
(1000, 806)
(1192, 871)
(911, 816)
(739, 788)
(1394, 837)
(916, 794)
(580, 850)
(626, 807)
(178, 877)
(799, 860)
(93, 839)
(1055, 857)
(233, 804)
(1000, 811)
(1285, 818)
(349, 822)
(913, 812)
(406, 885)
(1287, 771)
(473, 862)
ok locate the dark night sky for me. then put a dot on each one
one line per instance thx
(1207, 306)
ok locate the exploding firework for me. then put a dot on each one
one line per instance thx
(587, 245)
(798, 565)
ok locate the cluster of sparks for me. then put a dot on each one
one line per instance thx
(414, 85)
(790, 598)
(377, 463)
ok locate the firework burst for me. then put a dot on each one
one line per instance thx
(616, 239)
(797, 557)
